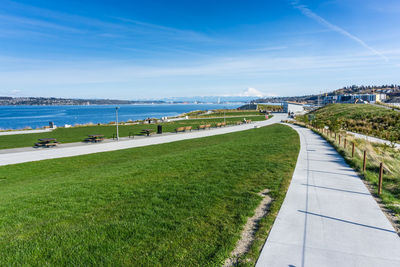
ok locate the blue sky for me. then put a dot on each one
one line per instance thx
(153, 49)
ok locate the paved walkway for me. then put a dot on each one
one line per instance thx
(374, 139)
(20, 155)
(26, 132)
(328, 217)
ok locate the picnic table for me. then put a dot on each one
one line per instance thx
(146, 131)
(46, 142)
(95, 138)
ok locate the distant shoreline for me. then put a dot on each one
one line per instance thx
(136, 104)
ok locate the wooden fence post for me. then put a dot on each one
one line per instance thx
(352, 151)
(345, 143)
(365, 161)
(380, 178)
(339, 139)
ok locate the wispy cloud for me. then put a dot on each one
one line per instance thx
(224, 75)
(178, 33)
(269, 48)
(307, 12)
(118, 28)
(92, 72)
(28, 22)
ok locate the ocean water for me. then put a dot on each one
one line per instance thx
(19, 117)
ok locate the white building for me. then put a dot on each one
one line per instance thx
(293, 107)
(380, 97)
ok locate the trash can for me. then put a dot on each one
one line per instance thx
(159, 129)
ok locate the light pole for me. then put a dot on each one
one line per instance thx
(116, 115)
(224, 114)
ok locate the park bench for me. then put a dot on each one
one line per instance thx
(208, 126)
(238, 123)
(202, 127)
(180, 129)
(218, 124)
(248, 121)
(188, 128)
(223, 124)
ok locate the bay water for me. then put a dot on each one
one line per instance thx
(19, 117)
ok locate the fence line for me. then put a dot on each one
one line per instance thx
(367, 161)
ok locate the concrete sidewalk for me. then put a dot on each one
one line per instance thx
(21, 155)
(26, 132)
(328, 217)
(374, 139)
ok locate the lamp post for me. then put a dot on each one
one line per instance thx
(224, 114)
(116, 116)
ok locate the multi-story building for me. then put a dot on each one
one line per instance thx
(354, 98)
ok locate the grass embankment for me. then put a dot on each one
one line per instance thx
(175, 204)
(376, 153)
(361, 118)
(224, 112)
(273, 108)
(77, 134)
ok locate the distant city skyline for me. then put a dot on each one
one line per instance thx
(159, 49)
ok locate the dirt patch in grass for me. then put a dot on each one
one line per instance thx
(249, 230)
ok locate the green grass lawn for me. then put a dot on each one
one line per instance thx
(77, 134)
(361, 118)
(273, 108)
(175, 204)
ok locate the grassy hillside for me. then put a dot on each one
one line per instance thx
(175, 204)
(223, 112)
(273, 108)
(77, 134)
(367, 119)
